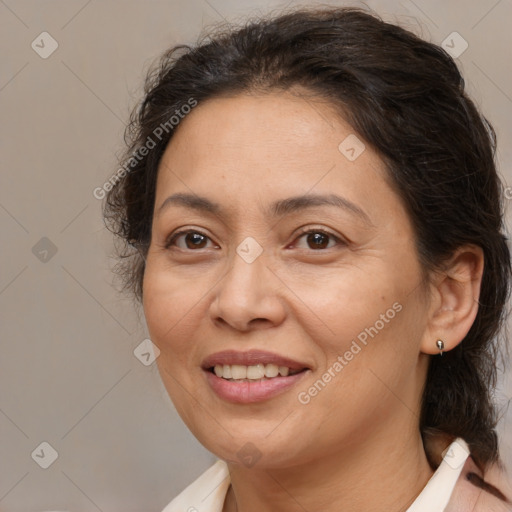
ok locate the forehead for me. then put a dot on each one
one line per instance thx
(261, 126)
(276, 145)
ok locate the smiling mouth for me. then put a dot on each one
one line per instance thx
(253, 373)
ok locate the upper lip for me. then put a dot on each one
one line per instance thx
(250, 358)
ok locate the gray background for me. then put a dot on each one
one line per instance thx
(68, 374)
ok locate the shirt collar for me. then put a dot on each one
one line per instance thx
(436, 494)
(208, 492)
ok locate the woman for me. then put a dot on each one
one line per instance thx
(317, 221)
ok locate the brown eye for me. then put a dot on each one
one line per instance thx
(318, 239)
(195, 240)
(189, 240)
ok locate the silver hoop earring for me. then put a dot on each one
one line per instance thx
(440, 346)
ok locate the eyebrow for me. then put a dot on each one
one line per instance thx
(277, 209)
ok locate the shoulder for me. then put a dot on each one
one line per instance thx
(479, 492)
(206, 493)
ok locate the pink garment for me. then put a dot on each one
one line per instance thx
(475, 493)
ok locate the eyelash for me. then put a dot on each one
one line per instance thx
(171, 239)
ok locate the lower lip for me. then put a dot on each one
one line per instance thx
(250, 392)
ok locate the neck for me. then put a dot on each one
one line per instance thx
(373, 475)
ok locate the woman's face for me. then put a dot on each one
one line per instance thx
(297, 248)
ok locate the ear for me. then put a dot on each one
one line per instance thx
(455, 291)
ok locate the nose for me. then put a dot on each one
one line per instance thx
(248, 296)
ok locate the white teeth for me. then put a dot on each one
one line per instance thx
(238, 372)
(254, 372)
(271, 370)
(226, 371)
(284, 371)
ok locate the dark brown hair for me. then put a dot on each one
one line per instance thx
(405, 97)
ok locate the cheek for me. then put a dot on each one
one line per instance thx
(370, 329)
(171, 307)
(340, 306)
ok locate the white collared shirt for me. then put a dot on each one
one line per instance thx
(208, 492)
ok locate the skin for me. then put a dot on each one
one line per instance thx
(356, 445)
